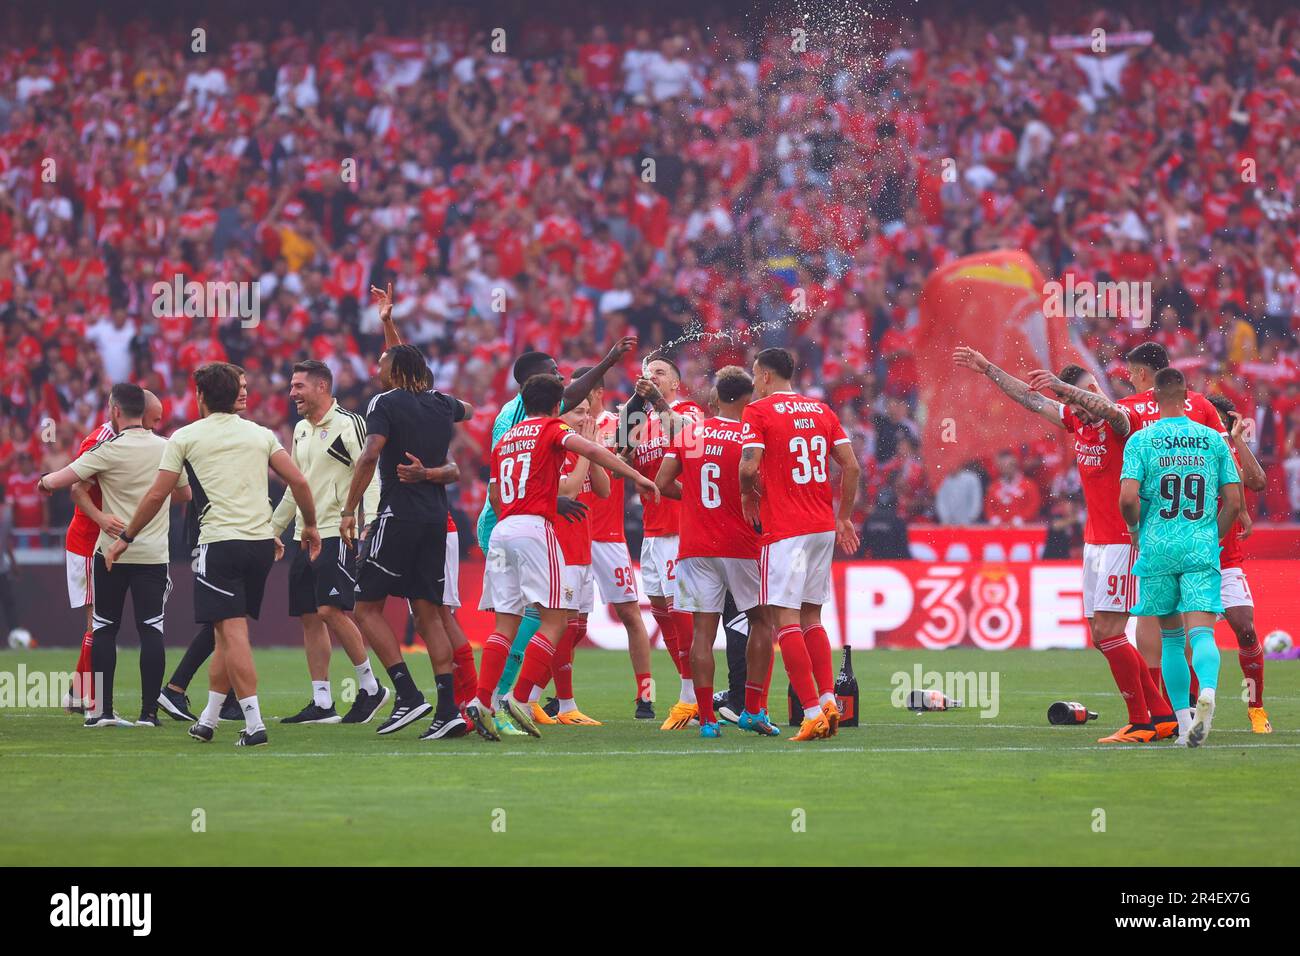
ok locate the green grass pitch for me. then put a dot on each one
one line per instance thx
(933, 789)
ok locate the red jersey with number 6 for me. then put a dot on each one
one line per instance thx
(660, 518)
(1100, 456)
(526, 465)
(712, 523)
(796, 434)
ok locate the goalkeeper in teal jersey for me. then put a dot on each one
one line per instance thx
(511, 414)
(1175, 473)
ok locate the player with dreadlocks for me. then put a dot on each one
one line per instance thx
(408, 424)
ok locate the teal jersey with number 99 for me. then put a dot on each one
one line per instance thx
(1181, 465)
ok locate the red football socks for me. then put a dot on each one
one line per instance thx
(667, 627)
(491, 667)
(704, 695)
(1124, 667)
(643, 686)
(1151, 692)
(1252, 668)
(797, 664)
(464, 677)
(536, 671)
(819, 652)
(562, 663)
(86, 672)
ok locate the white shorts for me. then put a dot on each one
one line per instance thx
(659, 566)
(1233, 589)
(703, 583)
(451, 580)
(81, 579)
(524, 566)
(796, 571)
(579, 588)
(1109, 583)
(611, 566)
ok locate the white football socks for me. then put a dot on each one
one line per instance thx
(252, 714)
(366, 677)
(320, 694)
(211, 715)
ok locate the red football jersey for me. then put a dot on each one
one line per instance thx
(796, 434)
(83, 533)
(660, 518)
(606, 514)
(1100, 456)
(712, 523)
(526, 465)
(1197, 407)
(575, 536)
(1232, 554)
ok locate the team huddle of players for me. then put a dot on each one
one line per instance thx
(1161, 472)
(551, 531)
(739, 511)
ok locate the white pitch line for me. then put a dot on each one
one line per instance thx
(1094, 748)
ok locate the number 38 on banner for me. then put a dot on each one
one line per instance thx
(989, 614)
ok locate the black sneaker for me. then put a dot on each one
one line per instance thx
(482, 720)
(446, 728)
(176, 705)
(366, 706)
(552, 708)
(148, 719)
(230, 709)
(256, 739)
(645, 710)
(722, 707)
(201, 732)
(404, 712)
(313, 713)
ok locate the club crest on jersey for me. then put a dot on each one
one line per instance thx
(324, 434)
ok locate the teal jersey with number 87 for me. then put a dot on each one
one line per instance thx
(1181, 466)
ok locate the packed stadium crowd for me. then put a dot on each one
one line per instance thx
(651, 176)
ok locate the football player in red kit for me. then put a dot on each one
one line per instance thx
(1238, 605)
(584, 482)
(524, 563)
(718, 549)
(668, 416)
(788, 441)
(1100, 428)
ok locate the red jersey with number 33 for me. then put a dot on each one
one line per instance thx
(660, 518)
(713, 525)
(796, 434)
(1100, 456)
(526, 466)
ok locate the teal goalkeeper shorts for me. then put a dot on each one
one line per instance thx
(1163, 594)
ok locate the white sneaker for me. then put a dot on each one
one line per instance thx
(1181, 741)
(1201, 722)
